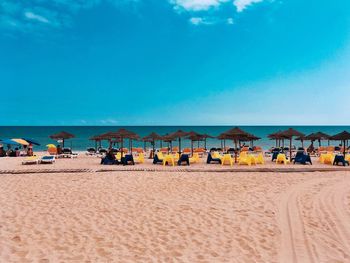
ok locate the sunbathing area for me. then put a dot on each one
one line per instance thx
(168, 202)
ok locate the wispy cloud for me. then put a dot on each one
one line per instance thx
(31, 15)
(197, 5)
(243, 4)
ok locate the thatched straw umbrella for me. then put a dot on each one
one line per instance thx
(223, 137)
(236, 134)
(344, 137)
(152, 138)
(205, 137)
(62, 136)
(194, 136)
(125, 134)
(168, 139)
(278, 137)
(179, 135)
(289, 134)
(97, 139)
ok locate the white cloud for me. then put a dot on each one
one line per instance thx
(242, 4)
(31, 15)
(197, 5)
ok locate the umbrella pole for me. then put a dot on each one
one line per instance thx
(344, 148)
(302, 143)
(179, 145)
(130, 140)
(235, 151)
(224, 146)
(153, 147)
(122, 150)
(192, 147)
(290, 149)
(205, 143)
(62, 143)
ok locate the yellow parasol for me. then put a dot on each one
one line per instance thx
(21, 141)
(51, 145)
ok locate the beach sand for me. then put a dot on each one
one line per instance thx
(134, 216)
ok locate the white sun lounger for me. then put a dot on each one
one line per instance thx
(47, 159)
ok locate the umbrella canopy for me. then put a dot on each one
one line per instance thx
(315, 136)
(31, 141)
(96, 138)
(51, 145)
(9, 142)
(178, 135)
(62, 136)
(342, 136)
(21, 141)
(289, 134)
(236, 134)
(125, 134)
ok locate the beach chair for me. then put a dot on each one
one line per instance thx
(210, 159)
(227, 159)
(128, 159)
(169, 159)
(47, 159)
(140, 158)
(302, 158)
(327, 158)
(340, 159)
(30, 160)
(244, 159)
(259, 159)
(183, 159)
(158, 158)
(281, 158)
(195, 158)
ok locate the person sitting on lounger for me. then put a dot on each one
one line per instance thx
(109, 159)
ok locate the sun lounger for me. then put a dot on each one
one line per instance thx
(128, 159)
(340, 159)
(302, 158)
(281, 158)
(169, 159)
(195, 158)
(227, 159)
(158, 158)
(30, 160)
(183, 159)
(140, 158)
(47, 159)
(210, 159)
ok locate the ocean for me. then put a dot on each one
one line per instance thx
(83, 133)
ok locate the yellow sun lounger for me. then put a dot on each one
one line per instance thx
(281, 158)
(31, 160)
(169, 159)
(140, 158)
(194, 158)
(245, 159)
(227, 159)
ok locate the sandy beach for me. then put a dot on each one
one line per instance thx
(172, 216)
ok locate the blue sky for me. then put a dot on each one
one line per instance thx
(174, 62)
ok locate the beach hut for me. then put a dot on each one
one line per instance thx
(344, 137)
(179, 135)
(290, 134)
(62, 136)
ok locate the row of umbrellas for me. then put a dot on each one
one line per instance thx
(236, 135)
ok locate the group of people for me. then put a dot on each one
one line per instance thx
(27, 151)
